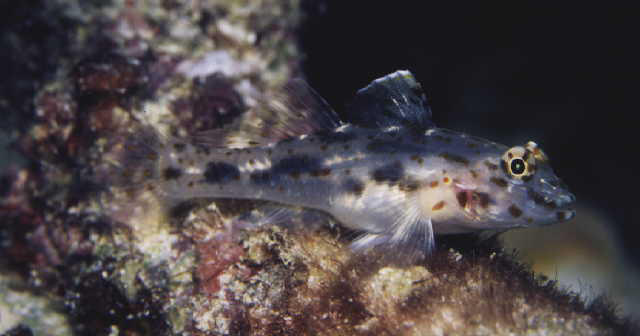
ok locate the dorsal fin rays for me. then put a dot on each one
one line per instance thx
(396, 99)
(293, 111)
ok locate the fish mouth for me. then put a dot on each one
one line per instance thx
(562, 201)
(563, 205)
(565, 215)
(560, 204)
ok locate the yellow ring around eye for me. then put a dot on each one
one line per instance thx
(525, 167)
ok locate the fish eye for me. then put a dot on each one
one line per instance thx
(518, 166)
(519, 162)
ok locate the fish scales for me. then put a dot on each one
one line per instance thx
(395, 176)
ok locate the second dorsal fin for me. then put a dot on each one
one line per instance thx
(396, 99)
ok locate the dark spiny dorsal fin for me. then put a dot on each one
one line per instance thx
(293, 111)
(396, 99)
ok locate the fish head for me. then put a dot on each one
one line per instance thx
(503, 188)
(521, 191)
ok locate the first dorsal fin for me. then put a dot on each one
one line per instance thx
(294, 110)
(396, 99)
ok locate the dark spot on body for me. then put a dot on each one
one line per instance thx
(391, 173)
(171, 173)
(461, 196)
(500, 182)
(438, 206)
(353, 186)
(324, 147)
(490, 165)
(472, 145)
(321, 172)
(409, 185)
(473, 173)
(347, 171)
(253, 143)
(482, 198)
(220, 172)
(269, 151)
(417, 158)
(515, 211)
(190, 184)
(296, 165)
(454, 158)
(227, 153)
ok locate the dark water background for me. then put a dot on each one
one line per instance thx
(563, 75)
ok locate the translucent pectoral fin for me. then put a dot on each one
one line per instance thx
(409, 242)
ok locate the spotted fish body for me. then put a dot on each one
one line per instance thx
(393, 175)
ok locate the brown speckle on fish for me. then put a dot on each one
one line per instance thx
(515, 211)
(454, 158)
(500, 182)
(438, 206)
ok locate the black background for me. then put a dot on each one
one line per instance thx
(564, 75)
